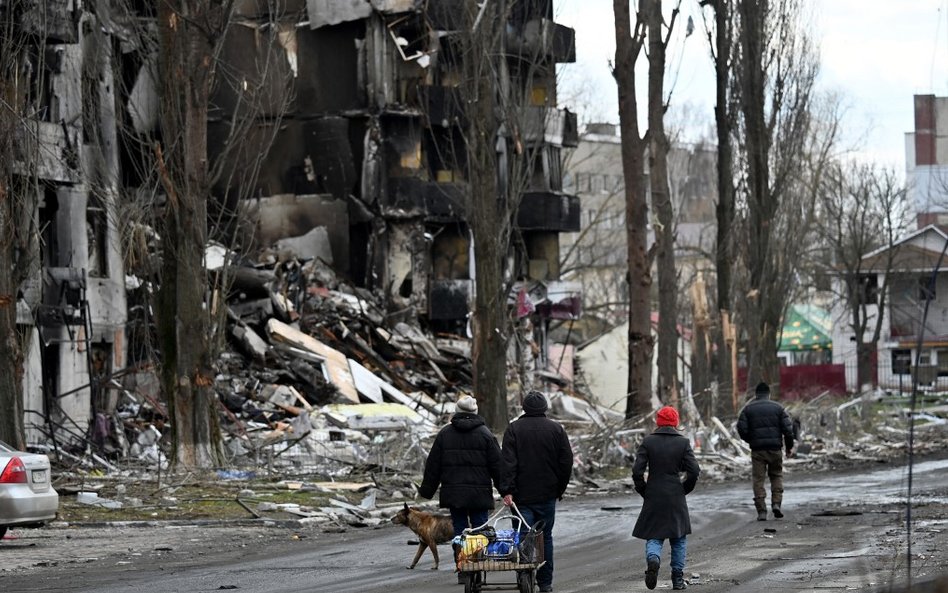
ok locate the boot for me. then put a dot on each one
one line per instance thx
(761, 506)
(778, 514)
(651, 571)
(678, 580)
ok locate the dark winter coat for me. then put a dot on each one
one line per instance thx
(465, 461)
(538, 460)
(765, 425)
(664, 454)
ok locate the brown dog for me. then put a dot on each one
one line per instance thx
(430, 529)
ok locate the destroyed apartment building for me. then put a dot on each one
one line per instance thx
(363, 187)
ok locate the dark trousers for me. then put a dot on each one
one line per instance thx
(767, 464)
(546, 512)
(464, 518)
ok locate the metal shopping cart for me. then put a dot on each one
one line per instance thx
(487, 549)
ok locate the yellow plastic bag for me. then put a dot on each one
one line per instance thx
(472, 547)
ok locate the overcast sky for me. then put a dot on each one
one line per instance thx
(875, 53)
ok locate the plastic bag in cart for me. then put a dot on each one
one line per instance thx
(471, 547)
(504, 545)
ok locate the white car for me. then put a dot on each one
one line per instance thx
(27, 499)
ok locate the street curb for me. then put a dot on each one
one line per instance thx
(286, 523)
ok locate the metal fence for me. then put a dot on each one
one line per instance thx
(808, 381)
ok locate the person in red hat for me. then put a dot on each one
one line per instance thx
(664, 454)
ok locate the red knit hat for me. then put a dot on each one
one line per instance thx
(667, 416)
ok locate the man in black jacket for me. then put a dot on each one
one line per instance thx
(765, 425)
(465, 461)
(538, 463)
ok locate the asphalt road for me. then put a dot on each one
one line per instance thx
(728, 551)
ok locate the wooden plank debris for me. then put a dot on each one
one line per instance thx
(337, 365)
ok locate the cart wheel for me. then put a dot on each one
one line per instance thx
(525, 581)
(469, 582)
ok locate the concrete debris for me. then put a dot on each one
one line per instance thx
(324, 390)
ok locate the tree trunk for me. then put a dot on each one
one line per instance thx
(11, 355)
(186, 62)
(18, 206)
(724, 211)
(490, 216)
(639, 277)
(763, 315)
(865, 363)
(668, 386)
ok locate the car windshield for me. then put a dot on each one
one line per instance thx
(5, 447)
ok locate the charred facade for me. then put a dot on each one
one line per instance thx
(359, 108)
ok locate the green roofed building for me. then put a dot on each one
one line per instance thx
(807, 336)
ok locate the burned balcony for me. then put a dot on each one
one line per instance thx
(549, 211)
(436, 201)
(552, 126)
(542, 38)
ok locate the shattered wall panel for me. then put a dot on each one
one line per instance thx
(284, 216)
(74, 377)
(333, 12)
(398, 262)
(142, 103)
(33, 389)
(53, 152)
(64, 64)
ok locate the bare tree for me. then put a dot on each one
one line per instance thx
(188, 32)
(21, 68)
(721, 53)
(862, 211)
(629, 43)
(774, 77)
(490, 210)
(659, 145)
(183, 197)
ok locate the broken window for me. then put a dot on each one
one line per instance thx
(542, 255)
(445, 154)
(450, 254)
(941, 358)
(926, 288)
(101, 362)
(867, 289)
(97, 230)
(48, 230)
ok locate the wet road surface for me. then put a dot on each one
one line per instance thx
(728, 551)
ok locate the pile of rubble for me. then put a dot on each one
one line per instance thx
(320, 379)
